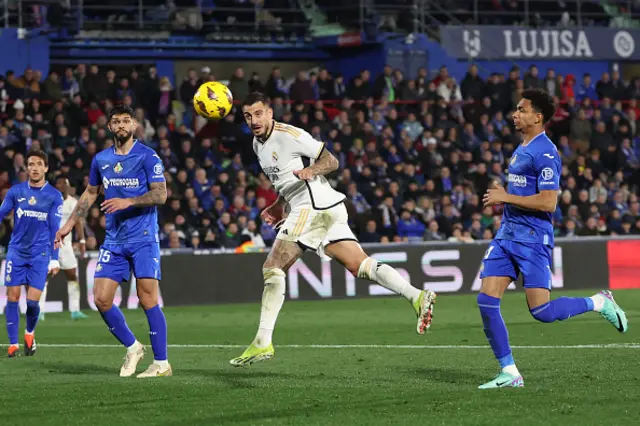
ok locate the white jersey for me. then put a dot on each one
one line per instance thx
(286, 149)
(67, 208)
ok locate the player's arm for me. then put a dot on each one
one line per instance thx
(54, 219)
(81, 210)
(80, 234)
(324, 163)
(7, 204)
(544, 201)
(548, 176)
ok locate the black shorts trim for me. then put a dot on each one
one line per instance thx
(305, 247)
(313, 201)
(342, 239)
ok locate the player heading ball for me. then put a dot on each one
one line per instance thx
(297, 164)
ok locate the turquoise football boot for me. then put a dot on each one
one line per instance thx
(504, 380)
(613, 313)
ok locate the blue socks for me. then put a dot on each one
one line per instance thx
(562, 308)
(495, 329)
(114, 318)
(157, 332)
(33, 312)
(12, 317)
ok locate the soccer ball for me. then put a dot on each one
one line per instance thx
(213, 100)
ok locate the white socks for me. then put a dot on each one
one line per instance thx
(387, 277)
(133, 348)
(511, 369)
(73, 288)
(272, 301)
(598, 302)
(43, 296)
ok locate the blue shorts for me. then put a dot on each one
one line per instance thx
(506, 258)
(117, 261)
(20, 271)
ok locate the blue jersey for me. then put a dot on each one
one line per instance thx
(37, 213)
(533, 168)
(128, 176)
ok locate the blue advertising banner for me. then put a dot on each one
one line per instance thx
(489, 42)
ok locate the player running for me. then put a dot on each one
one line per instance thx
(67, 258)
(132, 177)
(296, 164)
(37, 210)
(524, 242)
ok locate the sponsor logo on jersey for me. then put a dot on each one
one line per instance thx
(518, 180)
(513, 159)
(118, 168)
(41, 216)
(21, 199)
(272, 173)
(32, 201)
(120, 182)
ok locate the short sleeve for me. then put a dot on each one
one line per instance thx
(307, 146)
(94, 173)
(547, 165)
(153, 168)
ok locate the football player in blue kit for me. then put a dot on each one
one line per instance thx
(132, 177)
(31, 256)
(524, 242)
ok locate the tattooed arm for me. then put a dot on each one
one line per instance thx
(156, 196)
(80, 212)
(325, 164)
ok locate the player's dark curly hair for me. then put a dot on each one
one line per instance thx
(541, 102)
(254, 98)
(121, 109)
(34, 152)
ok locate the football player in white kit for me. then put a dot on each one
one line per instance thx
(318, 221)
(68, 261)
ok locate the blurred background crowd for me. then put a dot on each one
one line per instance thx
(415, 155)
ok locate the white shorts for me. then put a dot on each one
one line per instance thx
(67, 258)
(315, 229)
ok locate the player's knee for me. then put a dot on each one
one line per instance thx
(103, 303)
(273, 275)
(13, 294)
(543, 313)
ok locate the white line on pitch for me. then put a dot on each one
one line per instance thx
(608, 346)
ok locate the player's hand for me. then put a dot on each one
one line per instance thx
(54, 267)
(495, 196)
(62, 232)
(272, 214)
(113, 205)
(304, 174)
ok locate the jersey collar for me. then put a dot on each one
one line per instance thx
(135, 142)
(273, 126)
(35, 188)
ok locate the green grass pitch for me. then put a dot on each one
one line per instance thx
(342, 362)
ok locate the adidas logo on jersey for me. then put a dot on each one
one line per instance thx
(41, 216)
(518, 180)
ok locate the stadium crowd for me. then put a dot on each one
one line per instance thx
(415, 155)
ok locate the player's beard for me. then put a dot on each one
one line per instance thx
(121, 140)
(36, 182)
